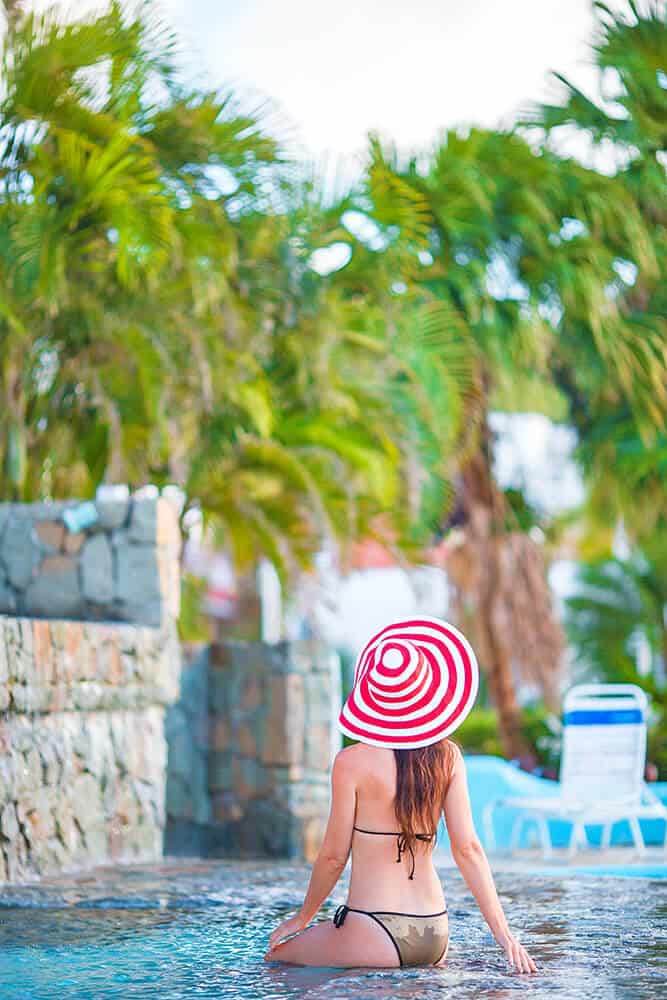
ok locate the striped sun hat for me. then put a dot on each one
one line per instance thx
(414, 683)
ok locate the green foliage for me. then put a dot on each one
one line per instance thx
(611, 347)
(160, 319)
(618, 603)
(541, 731)
(522, 516)
(619, 607)
(479, 733)
(656, 747)
(193, 625)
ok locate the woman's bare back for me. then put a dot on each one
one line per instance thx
(378, 881)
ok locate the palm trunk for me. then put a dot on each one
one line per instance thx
(503, 597)
(496, 642)
(485, 508)
(16, 443)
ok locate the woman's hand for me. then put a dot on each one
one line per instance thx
(286, 929)
(516, 954)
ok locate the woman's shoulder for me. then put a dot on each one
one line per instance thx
(357, 758)
(350, 757)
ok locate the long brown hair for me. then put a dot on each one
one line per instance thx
(422, 779)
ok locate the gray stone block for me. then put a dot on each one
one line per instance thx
(7, 599)
(180, 743)
(23, 737)
(143, 521)
(50, 764)
(97, 846)
(97, 570)
(220, 770)
(137, 584)
(39, 822)
(148, 614)
(6, 781)
(55, 595)
(20, 552)
(50, 535)
(28, 698)
(86, 794)
(29, 774)
(88, 696)
(19, 649)
(112, 513)
(5, 511)
(46, 510)
(8, 822)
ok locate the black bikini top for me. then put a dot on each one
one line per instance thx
(401, 842)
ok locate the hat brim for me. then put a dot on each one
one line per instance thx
(456, 653)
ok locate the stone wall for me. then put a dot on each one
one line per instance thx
(257, 720)
(189, 828)
(82, 702)
(82, 746)
(114, 560)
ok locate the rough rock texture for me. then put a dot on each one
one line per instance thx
(258, 721)
(82, 744)
(121, 566)
(187, 728)
(97, 570)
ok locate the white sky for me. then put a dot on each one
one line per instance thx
(406, 69)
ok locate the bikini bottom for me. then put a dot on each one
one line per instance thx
(419, 938)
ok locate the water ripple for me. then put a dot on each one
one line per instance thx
(196, 931)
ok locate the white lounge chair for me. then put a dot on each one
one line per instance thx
(601, 774)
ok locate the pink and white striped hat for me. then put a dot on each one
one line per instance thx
(414, 683)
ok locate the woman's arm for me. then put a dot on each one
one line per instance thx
(334, 851)
(472, 862)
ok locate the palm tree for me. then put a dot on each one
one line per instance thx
(535, 255)
(616, 626)
(160, 318)
(614, 372)
(619, 607)
(612, 365)
(93, 234)
(627, 124)
(481, 210)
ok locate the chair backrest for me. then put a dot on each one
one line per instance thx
(604, 744)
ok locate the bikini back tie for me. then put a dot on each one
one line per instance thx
(401, 844)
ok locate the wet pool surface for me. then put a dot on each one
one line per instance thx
(186, 930)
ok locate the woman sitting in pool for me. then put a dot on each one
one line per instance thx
(415, 682)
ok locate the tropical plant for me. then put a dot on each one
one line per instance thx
(612, 357)
(552, 271)
(161, 319)
(616, 626)
(616, 621)
(479, 189)
(107, 218)
(612, 366)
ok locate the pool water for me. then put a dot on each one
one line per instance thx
(197, 931)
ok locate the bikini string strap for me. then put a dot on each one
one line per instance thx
(403, 844)
(340, 914)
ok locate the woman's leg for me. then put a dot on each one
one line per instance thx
(359, 942)
(443, 958)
